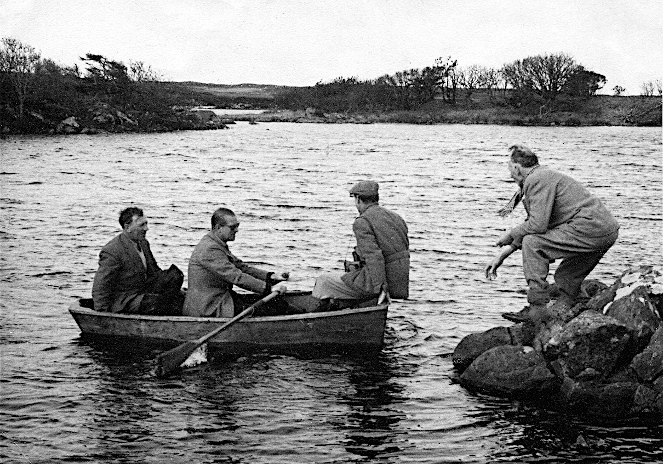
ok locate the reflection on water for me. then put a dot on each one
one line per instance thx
(68, 398)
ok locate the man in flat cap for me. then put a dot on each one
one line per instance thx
(382, 256)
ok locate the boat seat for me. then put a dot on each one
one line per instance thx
(86, 303)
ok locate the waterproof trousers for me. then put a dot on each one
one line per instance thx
(579, 256)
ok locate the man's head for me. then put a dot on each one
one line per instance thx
(365, 193)
(133, 223)
(225, 224)
(521, 162)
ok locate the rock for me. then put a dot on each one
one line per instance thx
(591, 340)
(645, 401)
(104, 118)
(613, 400)
(590, 288)
(68, 126)
(658, 385)
(637, 311)
(522, 333)
(511, 371)
(648, 365)
(206, 115)
(125, 119)
(600, 300)
(471, 346)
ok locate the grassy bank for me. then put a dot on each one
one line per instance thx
(480, 107)
(166, 106)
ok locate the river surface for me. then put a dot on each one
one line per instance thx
(66, 399)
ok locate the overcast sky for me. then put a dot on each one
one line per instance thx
(297, 42)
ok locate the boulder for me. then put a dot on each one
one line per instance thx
(648, 365)
(511, 371)
(522, 333)
(68, 126)
(613, 400)
(637, 311)
(590, 341)
(471, 346)
(645, 402)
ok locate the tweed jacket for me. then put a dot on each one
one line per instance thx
(553, 199)
(382, 245)
(213, 270)
(122, 279)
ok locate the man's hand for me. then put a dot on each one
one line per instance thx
(505, 239)
(491, 269)
(280, 288)
(280, 276)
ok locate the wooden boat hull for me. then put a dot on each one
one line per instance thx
(360, 327)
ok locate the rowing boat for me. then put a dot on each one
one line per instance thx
(353, 327)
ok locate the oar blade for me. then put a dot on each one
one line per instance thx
(170, 361)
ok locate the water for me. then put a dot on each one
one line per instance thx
(68, 399)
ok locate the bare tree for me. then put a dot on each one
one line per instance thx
(659, 90)
(647, 89)
(490, 79)
(141, 72)
(545, 75)
(18, 61)
(470, 78)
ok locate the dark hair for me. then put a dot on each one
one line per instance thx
(375, 198)
(219, 216)
(127, 215)
(524, 156)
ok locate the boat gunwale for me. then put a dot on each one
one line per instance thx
(76, 308)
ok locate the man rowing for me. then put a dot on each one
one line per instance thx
(564, 221)
(214, 270)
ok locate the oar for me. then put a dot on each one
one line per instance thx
(171, 360)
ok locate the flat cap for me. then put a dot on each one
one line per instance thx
(365, 187)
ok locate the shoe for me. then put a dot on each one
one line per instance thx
(527, 314)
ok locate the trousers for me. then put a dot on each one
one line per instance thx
(332, 286)
(579, 256)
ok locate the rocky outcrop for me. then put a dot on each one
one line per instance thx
(602, 357)
(68, 126)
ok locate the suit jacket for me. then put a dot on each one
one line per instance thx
(382, 245)
(552, 199)
(213, 270)
(122, 279)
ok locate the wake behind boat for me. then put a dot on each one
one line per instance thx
(361, 326)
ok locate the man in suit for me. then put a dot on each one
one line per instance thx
(382, 251)
(129, 280)
(214, 270)
(564, 221)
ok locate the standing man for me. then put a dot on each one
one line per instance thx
(129, 280)
(213, 270)
(382, 252)
(564, 221)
